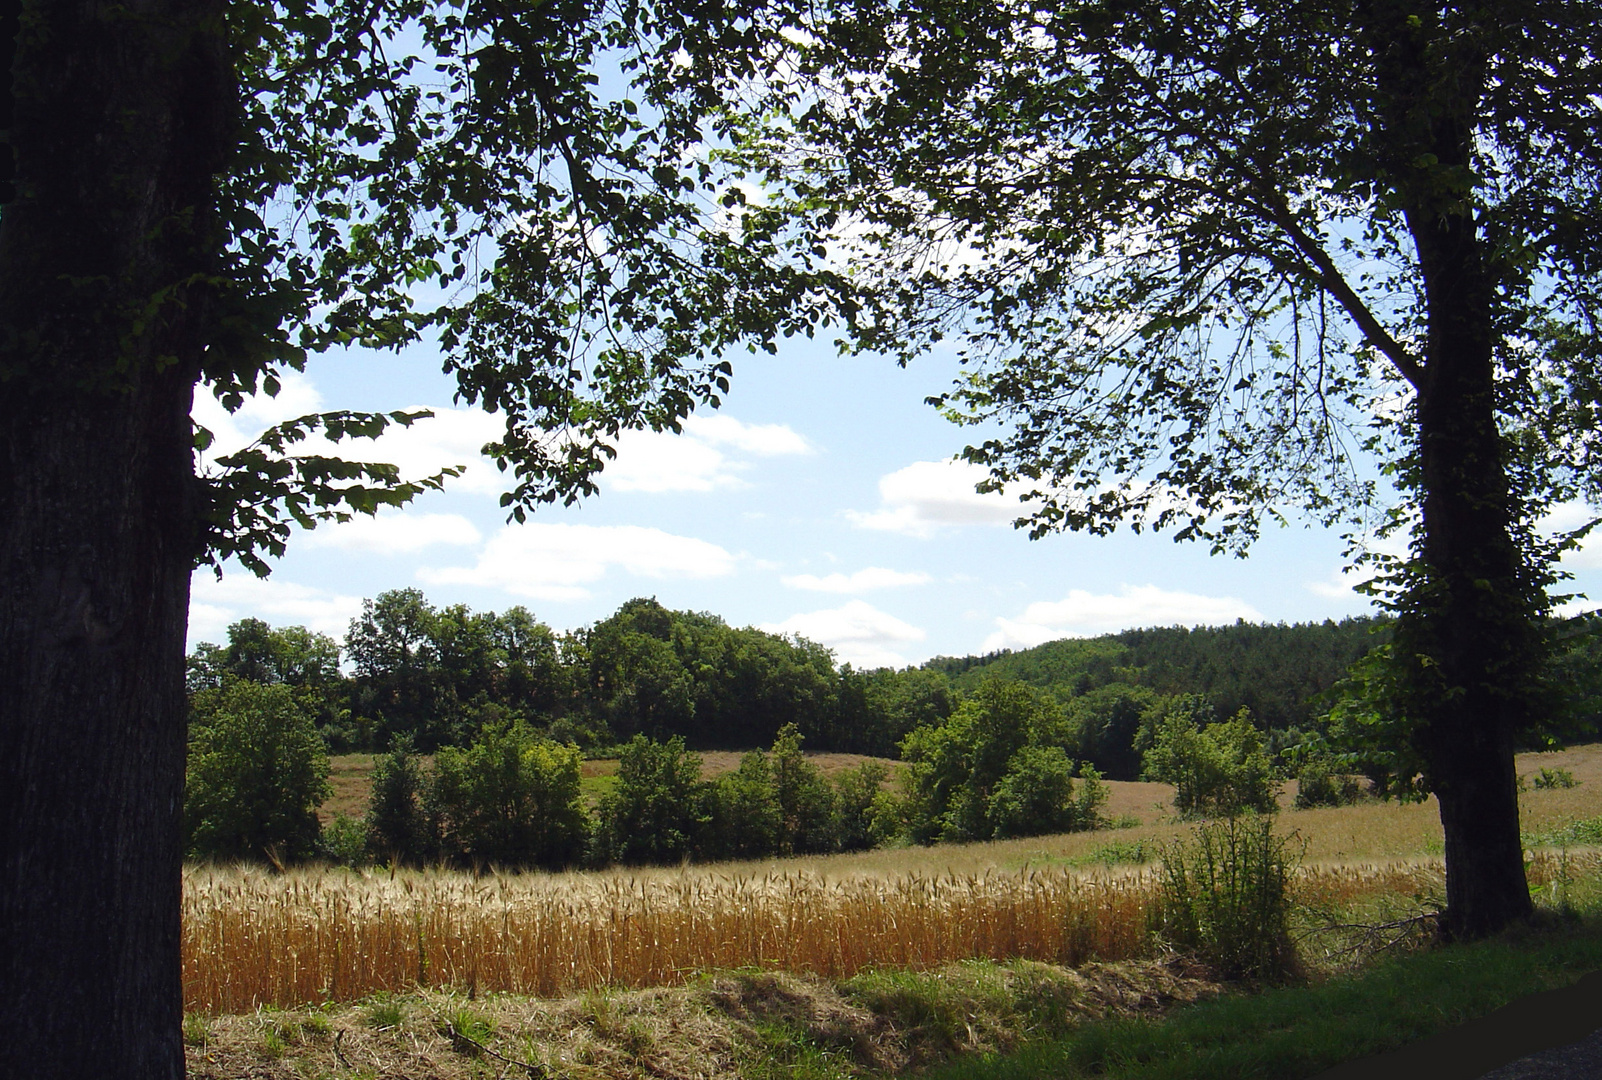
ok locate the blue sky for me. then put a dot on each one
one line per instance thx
(820, 500)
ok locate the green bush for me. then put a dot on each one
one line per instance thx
(1036, 795)
(257, 773)
(344, 841)
(1552, 779)
(1318, 784)
(1218, 770)
(659, 811)
(511, 799)
(745, 812)
(1226, 899)
(805, 801)
(856, 797)
(397, 829)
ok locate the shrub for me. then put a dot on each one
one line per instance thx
(1551, 779)
(344, 841)
(1226, 899)
(1218, 770)
(856, 797)
(397, 828)
(805, 801)
(1036, 795)
(658, 812)
(745, 810)
(1318, 784)
(257, 773)
(510, 799)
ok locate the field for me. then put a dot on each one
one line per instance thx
(253, 938)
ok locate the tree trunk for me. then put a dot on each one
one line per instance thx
(1468, 629)
(122, 114)
(1473, 612)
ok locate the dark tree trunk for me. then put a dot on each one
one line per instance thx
(1468, 627)
(122, 121)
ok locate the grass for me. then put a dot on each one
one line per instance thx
(1028, 951)
(1291, 1033)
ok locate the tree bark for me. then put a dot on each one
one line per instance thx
(1468, 629)
(122, 121)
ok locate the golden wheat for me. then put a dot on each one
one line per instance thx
(252, 938)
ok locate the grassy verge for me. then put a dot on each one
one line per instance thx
(1289, 1033)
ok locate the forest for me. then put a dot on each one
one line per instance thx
(438, 675)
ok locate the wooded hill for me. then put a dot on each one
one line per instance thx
(441, 674)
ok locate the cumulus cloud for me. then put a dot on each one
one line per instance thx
(928, 495)
(698, 458)
(870, 577)
(555, 561)
(214, 604)
(395, 533)
(452, 436)
(859, 633)
(1083, 614)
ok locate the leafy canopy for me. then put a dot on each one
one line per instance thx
(1176, 242)
(528, 186)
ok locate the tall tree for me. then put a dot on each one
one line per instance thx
(207, 193)
(1203, 260)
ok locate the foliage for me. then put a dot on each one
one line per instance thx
(658, 811)
(1226, 897)
(344, 841)
(746, 813)
(1035, 795)
(997, 743)
(257, 773)
(1554, 779)
(398, 831)
(805, 801)
(1218, 770)
(1318, 783)
(856, 799)
(511, 799)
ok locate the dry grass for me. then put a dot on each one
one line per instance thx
(252, 938)
(724, 1027)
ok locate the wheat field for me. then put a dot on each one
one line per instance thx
(253, 938)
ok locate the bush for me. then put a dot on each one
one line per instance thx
(856, 796)
(397, 829)
(1226, 899)
(658, 813)
(511, 799)
(344, 841)
(257, 773)
(1218, 770)
(1552, 779)
(1036, 795)
(805, 801)
(745, 812)
(1317, 784)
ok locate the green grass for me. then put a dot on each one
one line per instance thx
(1290, 1033)
(1585, 831)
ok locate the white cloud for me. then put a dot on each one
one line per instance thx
(450, 437)
(1084, 614)
(395, 533)
(215, 604)
(928, 495)
(859, 633)
(1566, 517)
(554, 562)
(695, 460)
(871, 577)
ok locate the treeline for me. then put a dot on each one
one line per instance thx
(439, 676)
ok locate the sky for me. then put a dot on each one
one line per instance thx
(821, 500)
